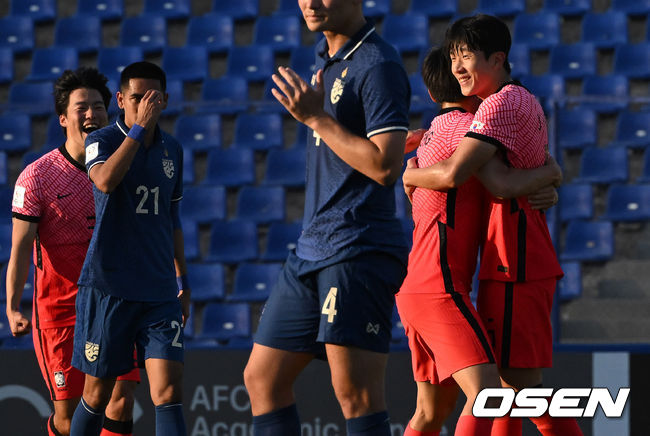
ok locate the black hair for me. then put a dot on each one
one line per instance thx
(143, 70)
(83, 77)
(480, 32)
(436, 73)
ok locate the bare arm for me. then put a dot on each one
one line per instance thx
(506, 182)
(470, 155)
(22, 240)
(106, 176)
(413, 138)
(181, 269)
(379, 158)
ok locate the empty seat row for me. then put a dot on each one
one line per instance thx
(623, 202)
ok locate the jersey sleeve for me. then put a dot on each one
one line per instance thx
(98, 149)
(386, 95)
(495, 122)
(26, 204)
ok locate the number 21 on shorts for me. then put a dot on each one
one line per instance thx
(329, 307)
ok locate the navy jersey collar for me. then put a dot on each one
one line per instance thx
(350, 47)
(119, 122)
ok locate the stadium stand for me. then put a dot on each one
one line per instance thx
(576, 128)
(208, 281)
(106, 10)
(261, 204)
(203, 204)
(38, 10)
(15, 132)
(255, 63)
(605, 94)
(438, 9)
(81, 32)
(628, 203)
(539, 31)
(112, 60)
(237, 9)
(281, 239)
(17, 33)
(603, 165)
(254, 281)
(258, 131)
(285, 167)
(230, 167)
(568, 7)
(187, 64)
(280, 32)
(170, 9)
(232, 242)
(212, 31)
(148, 32)
(605, 30)
(589, 241)
(573, 61)
(198, 131)
(407, 32)
(49, 63)
(224, 321)
(576, 202)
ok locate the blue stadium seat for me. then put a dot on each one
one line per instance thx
(605, 30)
(631, 7)
(237, 9)
(420, 99)
(301, 136)
(6, 197)
(15, 132)
(31, 98)
(215, 32)
(230, 167)
(6, 65)
(548, 88)
(188, 167)
(176, 100)
(191, 239)
(252, 62)
(407, 32)
(112, 60)
(539, 31)
(519, 59)
(437, 9)
(170, 9)
(226, 321)
(225, 95)
(233, 242)
(573, 61)
(603, 165)
(29, 157)
(5, 242)
(28, 290)
(84, 33)
(303, 61)
(285, 167)
(280, 32)
(376, 8)
(576, 128)
(190, 327)
(203, 204)
(54, 136)
(570, 286)
(253, 281)
(4, 176)
(588, 241)
(149, 32)
(261, 204)
(552, 224)
(188, 64)
(207, 280)
(628, 203)
(576, 201)
(258, 131)
(288, 7)
(17, 33)
(633, 129)
(633, 60)
(198, 131)
(645, 173)
(502, 8)
(268, 103)
(49, 63)
(567, 7)
(104, 9)
(281, 238)
(608, 93)
(38, 10)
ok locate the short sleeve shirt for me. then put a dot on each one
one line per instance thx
(448, 225)
(54, 191)
(518, 245)
(131, 254)
(367, 91)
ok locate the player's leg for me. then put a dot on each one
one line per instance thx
(166, 389)
(435, 402)
(472, 380)
(285, 342)
(118, 416)
(58, 424)
(89, 414)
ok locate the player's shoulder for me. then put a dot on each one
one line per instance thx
(41, 166)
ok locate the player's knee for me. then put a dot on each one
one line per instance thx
(254, 380)
(354, 401)
(171, 393)
(62, 424)
(121, 405)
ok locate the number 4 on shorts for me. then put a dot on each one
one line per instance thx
(329, 307)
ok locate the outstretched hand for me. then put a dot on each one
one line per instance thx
(302, 101)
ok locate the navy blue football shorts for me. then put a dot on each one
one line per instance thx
(108, 327)
(347, 303)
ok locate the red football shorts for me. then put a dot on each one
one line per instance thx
(517, 317)
(445, 335)
(53, 348)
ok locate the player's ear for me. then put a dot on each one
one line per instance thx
(120, 99)
(63, 120)
(498, 59)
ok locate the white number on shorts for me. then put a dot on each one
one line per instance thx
(329, 307)
(142, 190)
(177, 325)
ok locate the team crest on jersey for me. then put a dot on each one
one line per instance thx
(337, 90)
(476, 125)
(92, 351)
(168, 167)
(59, 379)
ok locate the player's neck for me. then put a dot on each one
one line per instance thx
(337, 39)
(76, 151)
(499, 80)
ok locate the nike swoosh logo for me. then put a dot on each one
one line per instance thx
(60, 196)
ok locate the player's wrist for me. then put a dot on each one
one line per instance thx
(137, 133)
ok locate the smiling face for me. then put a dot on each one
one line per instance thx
(85, 113)
(477, 75)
